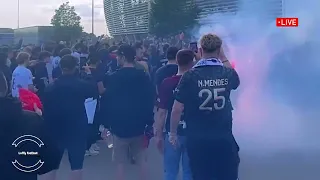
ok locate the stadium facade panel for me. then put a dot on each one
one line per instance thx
(215, 11)
(127, 17)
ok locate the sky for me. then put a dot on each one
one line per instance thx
(40, 12)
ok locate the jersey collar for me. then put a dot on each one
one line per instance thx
(208, 62)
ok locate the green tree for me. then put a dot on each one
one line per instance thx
(169, 17)
(66, 23)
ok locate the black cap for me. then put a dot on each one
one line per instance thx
(127, 51)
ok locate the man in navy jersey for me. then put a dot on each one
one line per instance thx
(203, 95)
(172, 155)
(169, 69)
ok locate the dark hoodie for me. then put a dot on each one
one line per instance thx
(14, 123)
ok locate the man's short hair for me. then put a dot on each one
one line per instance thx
(165, 47)
(127, 51)
(210, 43)
(78, 46)
(68, 62)
(22, 57)
(28, 49)
(57, 49)
(138, 45)
(43, 55)
(172, 53)
(65, 51)
(185, 57)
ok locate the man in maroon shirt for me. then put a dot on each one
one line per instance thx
(172, 155)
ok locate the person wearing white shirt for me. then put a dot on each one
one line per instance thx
(22, 76)
(56, 61)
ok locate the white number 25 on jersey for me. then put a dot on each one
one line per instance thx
(219, 101)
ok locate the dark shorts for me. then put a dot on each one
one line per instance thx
(210, 161)
(76, 151)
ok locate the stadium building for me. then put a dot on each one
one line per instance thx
(130, 18)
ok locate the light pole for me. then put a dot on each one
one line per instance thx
(18, 14)
(92, 21)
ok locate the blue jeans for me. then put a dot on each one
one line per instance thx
(172, 157)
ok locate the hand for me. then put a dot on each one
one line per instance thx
(36, 109)
(87, 69)
(173, 139)
(33, 62)
(181, 36)
(197, 55)
(104, 134)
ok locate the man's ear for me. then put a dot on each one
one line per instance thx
(201, 51)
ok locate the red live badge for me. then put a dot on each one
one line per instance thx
(287, 22)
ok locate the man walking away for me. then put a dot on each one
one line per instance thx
(130, 99)
(169, 69)
(172, 155)
(65, 114)
(203, 94)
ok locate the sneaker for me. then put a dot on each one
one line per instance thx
(91, 152)
(95, 147)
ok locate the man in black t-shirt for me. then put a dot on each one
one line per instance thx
(170, 69)
(203, 94)
(65, 114)
(40, 73)
(128, 103)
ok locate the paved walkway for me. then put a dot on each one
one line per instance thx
(255, 165)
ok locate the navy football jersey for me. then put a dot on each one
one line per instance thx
(205, 93)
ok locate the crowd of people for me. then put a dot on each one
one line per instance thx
(178, 96)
